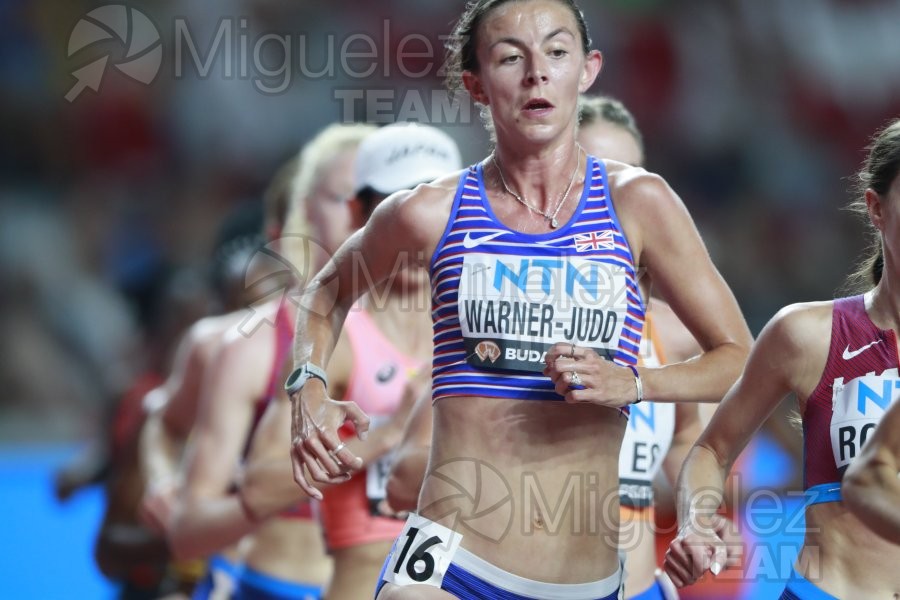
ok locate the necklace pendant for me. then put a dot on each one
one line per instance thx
(554, 223)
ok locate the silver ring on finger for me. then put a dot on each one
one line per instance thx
(338, 448)
(575, 379)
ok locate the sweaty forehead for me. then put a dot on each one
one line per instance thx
(527, 19)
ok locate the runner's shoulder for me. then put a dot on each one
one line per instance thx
(428, 197)
(424, 208)
(802, 327)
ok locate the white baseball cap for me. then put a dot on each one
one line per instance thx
(402, 155)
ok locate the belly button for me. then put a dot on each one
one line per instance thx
(538, 521)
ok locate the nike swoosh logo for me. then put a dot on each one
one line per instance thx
(848, 354)
(469, 242)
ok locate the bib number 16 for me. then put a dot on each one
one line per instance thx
(419, 555)
(422, 553)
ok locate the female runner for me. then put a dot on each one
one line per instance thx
(534, 286)
(840, 358)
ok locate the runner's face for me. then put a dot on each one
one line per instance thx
(608, 140)
(327, 207)
(531, 69)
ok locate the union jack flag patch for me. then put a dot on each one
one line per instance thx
(595, 241)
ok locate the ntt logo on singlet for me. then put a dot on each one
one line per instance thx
(139, 56)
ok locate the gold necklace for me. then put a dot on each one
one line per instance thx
(550, 217)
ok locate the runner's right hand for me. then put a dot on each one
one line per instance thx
(317, 452)
(695, 550)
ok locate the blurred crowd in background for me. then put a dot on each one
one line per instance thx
(756, 112)
(119, 209)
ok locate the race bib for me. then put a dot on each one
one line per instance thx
(378, 471)
(512, 309)
(422, 554)
(857, 407)
(648, 437)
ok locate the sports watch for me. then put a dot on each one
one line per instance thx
(298, 378)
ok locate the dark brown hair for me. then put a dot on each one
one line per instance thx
(463, 43)
(881, 167)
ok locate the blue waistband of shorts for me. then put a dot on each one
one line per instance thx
(654, 592)
(824, 492)
(250, 581)
(800, 588)
(469, 576)
(217, 562)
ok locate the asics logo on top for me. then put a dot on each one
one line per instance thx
(469, 242)
(848, 354)
(386, 373)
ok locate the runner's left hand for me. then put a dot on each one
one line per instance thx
(602, 382)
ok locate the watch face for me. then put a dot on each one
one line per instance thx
(301, 375)
(298, 377)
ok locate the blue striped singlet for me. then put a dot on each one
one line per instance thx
(502, 298)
